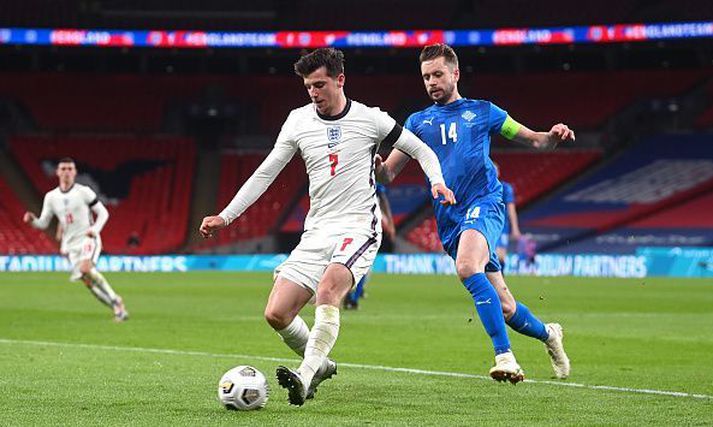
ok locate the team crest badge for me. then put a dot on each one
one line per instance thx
(468, 115)
(334, 133)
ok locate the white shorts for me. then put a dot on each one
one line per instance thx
(318, 248)
(87, 248)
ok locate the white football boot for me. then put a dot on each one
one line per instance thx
(507, 369)
(326, 372)
(555, 348)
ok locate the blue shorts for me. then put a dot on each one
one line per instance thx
(487, 217)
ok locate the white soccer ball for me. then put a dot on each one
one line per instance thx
(243, 388)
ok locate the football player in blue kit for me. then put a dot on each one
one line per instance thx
(458, 130)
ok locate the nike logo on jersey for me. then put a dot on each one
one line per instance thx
(428, 122)
(487, 301)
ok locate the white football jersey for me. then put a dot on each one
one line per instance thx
(73, 210)
(339, 154)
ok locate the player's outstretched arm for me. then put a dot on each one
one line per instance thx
(253, 188)
(514, 223)
(387, 170)
(43, 221)
(414, 147)
(542, 140)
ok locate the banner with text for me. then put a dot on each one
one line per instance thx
(647, 262)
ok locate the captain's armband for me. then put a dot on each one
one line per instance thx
(509, 128)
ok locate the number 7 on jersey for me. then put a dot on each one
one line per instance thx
(333, 162)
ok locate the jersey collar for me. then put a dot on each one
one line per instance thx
(65, 191)
(338, 116)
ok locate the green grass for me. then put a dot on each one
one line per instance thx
(643, 334)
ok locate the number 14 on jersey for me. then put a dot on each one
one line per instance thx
(452, 133)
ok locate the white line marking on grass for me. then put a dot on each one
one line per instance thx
(354, 365)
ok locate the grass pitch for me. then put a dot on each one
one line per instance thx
(63, 361)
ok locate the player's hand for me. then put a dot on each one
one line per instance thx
(441, 190)
(559, 133)
(91, 233)
(210, 225)
(382, 173)
(28, 217)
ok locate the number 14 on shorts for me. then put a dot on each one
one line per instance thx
(472, 213)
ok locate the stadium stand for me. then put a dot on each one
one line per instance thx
(649, 186)
(15, 236)
(130, 102)
(144, 181)
(705, 119)
(262, 217)
(138, 102)
(572, 97)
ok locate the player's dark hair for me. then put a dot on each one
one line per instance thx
(65, 160)
(328, 57)
(433, 51)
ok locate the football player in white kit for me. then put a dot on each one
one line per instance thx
(73, 204)
(337, 139)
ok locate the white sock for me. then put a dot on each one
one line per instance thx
(99, 281)
(98, 293)
(321, 340)
(295, 335)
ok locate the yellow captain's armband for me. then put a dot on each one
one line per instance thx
(510, 128)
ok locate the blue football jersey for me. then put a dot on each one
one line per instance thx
(508, 197)
(459, 133)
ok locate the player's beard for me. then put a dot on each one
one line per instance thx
(442, 96)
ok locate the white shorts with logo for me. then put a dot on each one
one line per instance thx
(356, 249)
(87, 248)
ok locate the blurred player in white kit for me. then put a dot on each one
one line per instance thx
(73, 204)
(337, 139)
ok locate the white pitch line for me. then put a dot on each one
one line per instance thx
(355, 365)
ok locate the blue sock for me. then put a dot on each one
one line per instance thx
(359, 291)
(526, 323)
(489, 310)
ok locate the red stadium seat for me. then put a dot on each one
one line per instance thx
(17, 237)
(158, 200)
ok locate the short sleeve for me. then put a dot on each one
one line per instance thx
(496, 118)
(89, 196)
(387, 130)
(409, 124)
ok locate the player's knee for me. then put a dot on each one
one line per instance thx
(332, 295)
(277, 319)
(467, 268)
(85, 268)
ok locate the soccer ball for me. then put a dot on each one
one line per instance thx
(243, 388)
